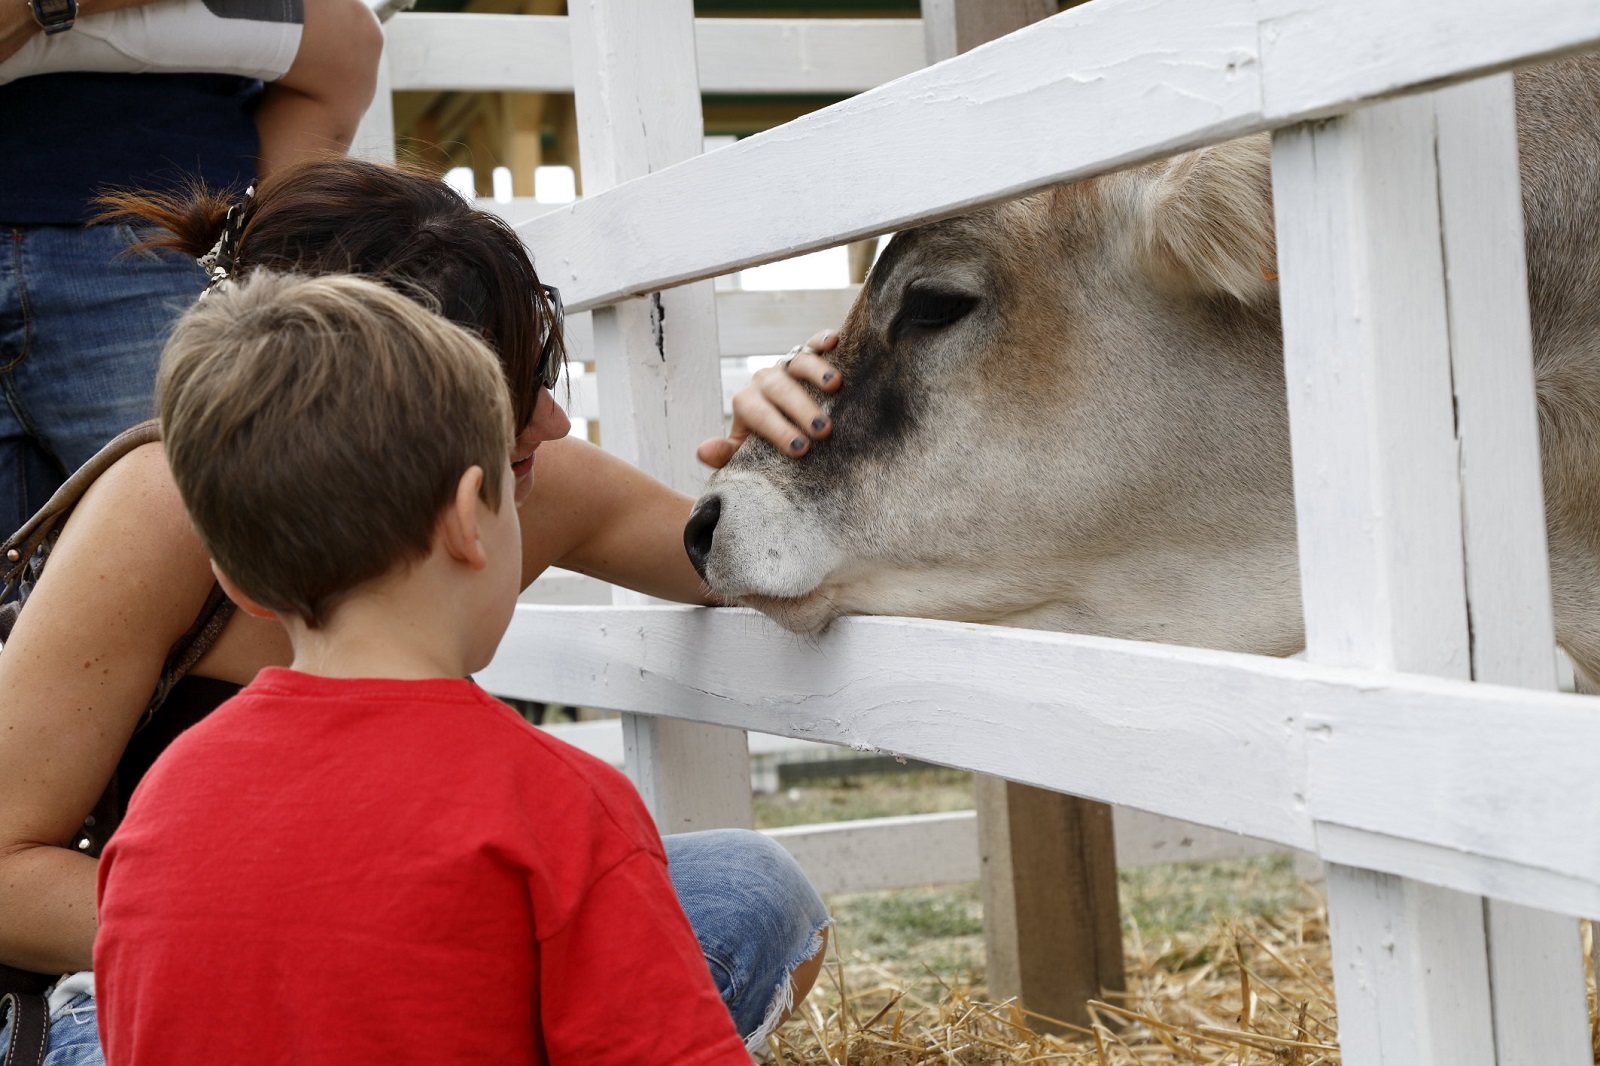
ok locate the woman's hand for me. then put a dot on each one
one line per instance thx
(776, 406)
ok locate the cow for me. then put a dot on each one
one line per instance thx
(1068, 412)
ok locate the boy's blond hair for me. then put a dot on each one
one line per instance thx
(316, 428)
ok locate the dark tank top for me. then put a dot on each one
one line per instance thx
(65, 138)
(190, 700)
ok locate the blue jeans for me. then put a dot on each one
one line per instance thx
(754, 912)
(74, 1035)
(82, 324)
(755, 915)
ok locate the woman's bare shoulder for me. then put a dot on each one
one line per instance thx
(126, 560)
(126, 577)
(140, 487)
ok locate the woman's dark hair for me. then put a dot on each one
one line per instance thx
(396, 225)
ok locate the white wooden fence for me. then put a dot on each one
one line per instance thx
(1458, 816)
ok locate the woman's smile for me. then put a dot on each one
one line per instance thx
(549, 423)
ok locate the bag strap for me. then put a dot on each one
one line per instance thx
(18, 550)
(20, 546)
(188, 649)
(30, 1028)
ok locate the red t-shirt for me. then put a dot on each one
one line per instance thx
(353, 871)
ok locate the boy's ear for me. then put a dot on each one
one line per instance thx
(246, 604)
(458, 530)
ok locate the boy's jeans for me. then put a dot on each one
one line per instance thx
(756, 915)
(82, 324)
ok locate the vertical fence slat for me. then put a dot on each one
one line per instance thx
(1535, 957)
(637, 93)
(1368, 375)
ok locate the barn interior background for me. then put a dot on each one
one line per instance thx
(1425, 796)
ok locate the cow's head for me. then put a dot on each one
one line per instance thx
(1064, 412)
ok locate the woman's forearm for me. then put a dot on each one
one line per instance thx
(47, 909)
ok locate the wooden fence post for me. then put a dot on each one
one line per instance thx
(637, 90)
(1051, 920)
(1535, 957)
(1408, 365)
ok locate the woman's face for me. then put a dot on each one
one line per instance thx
(549, 423)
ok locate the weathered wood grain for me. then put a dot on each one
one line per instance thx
(1535, 957)
(1371, 306)
(1215, 738)
(660, 394)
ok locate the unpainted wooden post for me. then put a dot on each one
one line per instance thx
(637, 92)
(1052, 923)
(1373, 210)
(1049, 876)
(951, 27)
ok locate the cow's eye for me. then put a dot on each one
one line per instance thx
(925, 309)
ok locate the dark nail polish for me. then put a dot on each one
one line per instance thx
(796, 444)
(827, 377)
(818, 423)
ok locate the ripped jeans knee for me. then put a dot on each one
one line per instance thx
(755, 915)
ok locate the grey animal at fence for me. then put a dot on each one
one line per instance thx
(1068, 412)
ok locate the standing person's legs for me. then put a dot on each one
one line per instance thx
(760, 924)
(82, 323)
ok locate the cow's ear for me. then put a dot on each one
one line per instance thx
(1205, 221)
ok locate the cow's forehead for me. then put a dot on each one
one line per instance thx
(975, 242)
(916, 249)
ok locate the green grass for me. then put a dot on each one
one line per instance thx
(846, 799)
(921, 936)
(1193, 895)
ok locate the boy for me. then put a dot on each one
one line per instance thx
(364, 858)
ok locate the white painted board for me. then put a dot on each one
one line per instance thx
(533, 53)
(1535, 957)
(1218, 739)
(660, 393)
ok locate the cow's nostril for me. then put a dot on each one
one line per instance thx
(700, 531)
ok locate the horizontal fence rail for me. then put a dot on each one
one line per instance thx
(935, 849)
(1096, 88)
(533, 53)
(868, 854)
(1477, 787)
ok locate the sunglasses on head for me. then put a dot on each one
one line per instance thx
(549, 369)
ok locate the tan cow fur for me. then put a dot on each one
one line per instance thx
(1101, 444)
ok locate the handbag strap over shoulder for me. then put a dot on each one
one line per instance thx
(21, 548)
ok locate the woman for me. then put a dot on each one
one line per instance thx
(127, 578)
